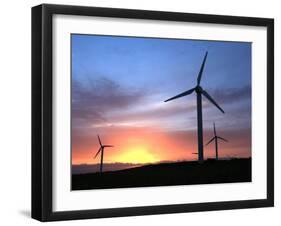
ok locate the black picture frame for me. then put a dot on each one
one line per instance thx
(42, 111)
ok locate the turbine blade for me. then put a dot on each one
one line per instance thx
(212, 100)
(108, 146)
(223, 139)
(181, 95)
(99, 140)
(215, 129)
(210, 141)
(97, 153)
(201, 69)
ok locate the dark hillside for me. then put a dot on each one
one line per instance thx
(164, 174)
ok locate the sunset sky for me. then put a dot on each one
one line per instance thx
(119, 85)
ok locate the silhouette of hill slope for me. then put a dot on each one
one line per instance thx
(164, 174)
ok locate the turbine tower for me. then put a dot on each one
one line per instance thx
(215, 138)
(101, 151)
(199, 92)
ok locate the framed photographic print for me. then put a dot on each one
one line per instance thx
(145, 112)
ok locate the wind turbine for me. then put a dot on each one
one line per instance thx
(215, 138)
(199, 92)
(101, 150)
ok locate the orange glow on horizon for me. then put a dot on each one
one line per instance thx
(144, 145)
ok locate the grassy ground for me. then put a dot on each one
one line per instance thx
(164, 174)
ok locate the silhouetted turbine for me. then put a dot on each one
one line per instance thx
(101, 150)
(199, 92)
(215, 138)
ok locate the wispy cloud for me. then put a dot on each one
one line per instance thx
(92, 102)
(104, 103)
(231, 95)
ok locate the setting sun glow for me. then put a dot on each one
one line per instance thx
(137, 155)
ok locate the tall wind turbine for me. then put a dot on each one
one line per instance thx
(215, 138)
(101, 150)
(199, 92)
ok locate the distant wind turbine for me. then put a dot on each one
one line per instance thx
(215, 138)
(101, 150)
(199, 91)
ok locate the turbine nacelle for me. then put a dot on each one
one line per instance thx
(198, 89)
